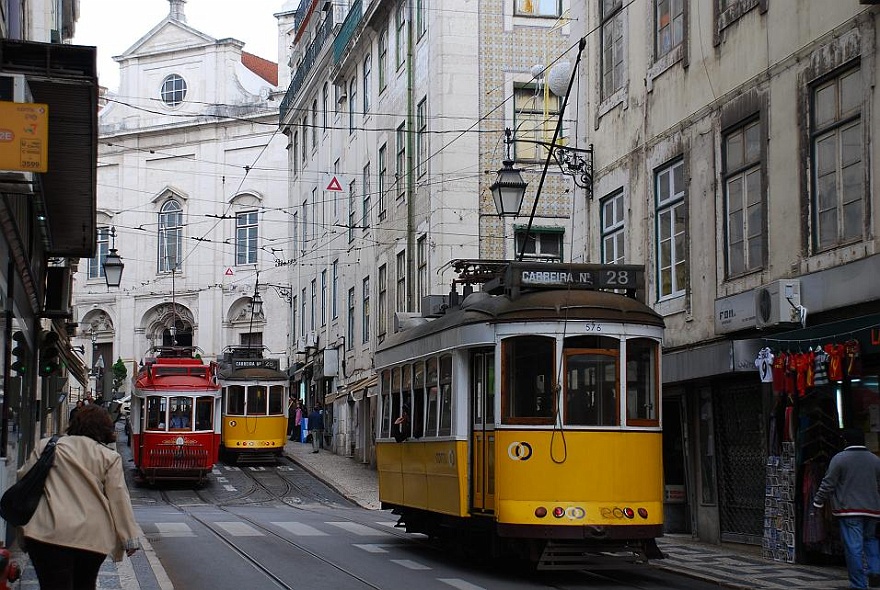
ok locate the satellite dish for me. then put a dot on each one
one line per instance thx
(559, 76)
(537, 71)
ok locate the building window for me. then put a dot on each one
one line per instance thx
(383, 60)
(744, 199)
(365, 217)
(336, 197)
(368, 73)
(349, 341)
(670, 196)
(303, 312)
(613, 226)
(422, 275)
(400, 25)
(313, 307)
(421, 23)
(334, 291)
(295, 237)
(383, 300)
(170, 236)
(96, 264)
(401, 161)
(383, 176)
(315, 124)
(422, 138)
(246, 238)
(352, 211)
(304, 125)
(670, 26)
(325, 100)
(293, 315)
(534, 117)
(324, 297)
(612, 47)
(537, 7)
(295, 152)
(541, 244)
(838, 160)
(305, 231)
(352, 103)
(173, 90)
(366, 309)
(400, 303)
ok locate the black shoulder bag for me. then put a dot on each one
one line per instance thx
(20, 501)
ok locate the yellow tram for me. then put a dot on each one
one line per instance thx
(255, 397)
(527, 417)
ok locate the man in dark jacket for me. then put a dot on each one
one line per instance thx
(316, 427)
(853, 482)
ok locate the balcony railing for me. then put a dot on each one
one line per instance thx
(305, 66)
(349, 25)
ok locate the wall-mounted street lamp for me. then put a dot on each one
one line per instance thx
(569, 161)
(113, 263)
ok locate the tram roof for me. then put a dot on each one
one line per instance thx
(541, 305)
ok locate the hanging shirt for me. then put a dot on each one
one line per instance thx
(764, 363)
(835, 361)
(852, 356)
(779, 373)
(820, 367)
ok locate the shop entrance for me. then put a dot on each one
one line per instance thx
(676, 508)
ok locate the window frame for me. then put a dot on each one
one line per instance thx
(614, 230)
(743, 170)
(173, 90)
(612, 38)
(670, 205)
(365, 309)
(96, 263)
(175, 216)
(660, 27)
(247, 226)
(518, 6)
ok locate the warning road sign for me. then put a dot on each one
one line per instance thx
(334, 185)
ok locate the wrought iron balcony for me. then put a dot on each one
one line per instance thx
(305, 66)
(349, 26)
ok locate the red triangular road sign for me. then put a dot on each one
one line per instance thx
(229, 272)
(334, 185)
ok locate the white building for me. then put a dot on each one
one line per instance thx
(192, 179)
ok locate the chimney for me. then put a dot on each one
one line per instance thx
(177, 10)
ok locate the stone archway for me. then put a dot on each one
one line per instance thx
(169, 325)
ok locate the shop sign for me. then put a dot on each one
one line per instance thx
(24, 136)
(674, 494)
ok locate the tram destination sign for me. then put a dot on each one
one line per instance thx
(575, 276)
(245, 363)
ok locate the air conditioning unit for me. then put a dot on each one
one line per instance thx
(434, 306)
(14, 88)
(778, 303)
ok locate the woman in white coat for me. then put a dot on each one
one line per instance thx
(85, 513)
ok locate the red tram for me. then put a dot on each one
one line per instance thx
(175, 415)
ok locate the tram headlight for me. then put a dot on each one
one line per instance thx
(643, 512)
(540, 512)
(628, 512)
(559, 512)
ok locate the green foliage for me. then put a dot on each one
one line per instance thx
(120, 373)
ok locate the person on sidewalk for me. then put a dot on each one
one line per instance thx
(297, 422)
(853, 483)
(316, 427)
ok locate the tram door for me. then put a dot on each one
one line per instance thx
(482, 396)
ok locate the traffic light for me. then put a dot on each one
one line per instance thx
(20, 354)
(50, 362)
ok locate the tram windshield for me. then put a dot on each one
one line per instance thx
(255, 400)
(179, 414)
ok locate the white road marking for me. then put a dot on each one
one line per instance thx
(222, 480)
(410, 564)
(174, 529)
(357, 529)
(230, 488)
(239, 529)
(371, 547)
(460, 584)
(300, 529)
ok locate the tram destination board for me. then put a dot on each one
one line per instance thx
(575, 276)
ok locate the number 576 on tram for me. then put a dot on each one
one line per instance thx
(527, 418)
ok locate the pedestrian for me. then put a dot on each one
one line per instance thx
(76, 408)
(297, 421)
(86, 511)
(852, 481)
(316, 427)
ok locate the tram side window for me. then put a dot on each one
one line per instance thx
(156, 407)
(385, 426)
(235, 400)
(527, 379)
(256, 400)
(433, 395)
(445, 395)
(205, 413)
(418, 408)
(181, 413)
(276, 399)
(642, 391)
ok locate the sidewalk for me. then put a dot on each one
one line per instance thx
(729, 565)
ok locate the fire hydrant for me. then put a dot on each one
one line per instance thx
(9, 570)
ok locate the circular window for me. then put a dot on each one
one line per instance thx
(173, 90)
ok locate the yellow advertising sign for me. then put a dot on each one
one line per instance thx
(24, 136)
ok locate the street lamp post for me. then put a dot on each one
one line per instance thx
(113, 263)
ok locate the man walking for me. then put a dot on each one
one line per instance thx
(853, 481)
(316, 427)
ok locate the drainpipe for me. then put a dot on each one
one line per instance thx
(410, 175)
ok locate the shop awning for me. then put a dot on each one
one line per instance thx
(865, 329)
(359, 389)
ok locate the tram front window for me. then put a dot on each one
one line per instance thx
(641, 383)
(591, 389)
(235, 400)
(256, 400)
(276, 399)
(181, 413)
(528, 390)
(205, 413)
(156, 409)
